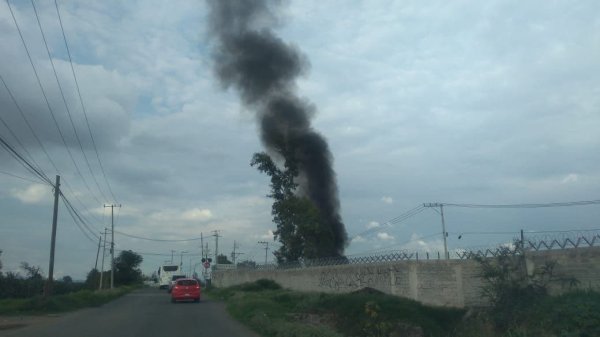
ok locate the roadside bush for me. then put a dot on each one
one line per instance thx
(260, 285)
(510, 290)
(272, 311)
(60, 303)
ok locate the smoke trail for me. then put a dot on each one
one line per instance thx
(264, 68)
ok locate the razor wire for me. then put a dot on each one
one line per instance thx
(558, 241)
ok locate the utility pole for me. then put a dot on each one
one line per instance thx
(172, 252)
(266, 249)
(181, 259)
(49, 282)
(202, 245)
(234, 254)
(103, 253)
(216, 235)
(112, 243)
(98, 252)
(444, 233)
(207, 251)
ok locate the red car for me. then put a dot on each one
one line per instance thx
(186, 289)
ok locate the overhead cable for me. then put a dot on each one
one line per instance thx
(158, 240)
(62, 94)
(554, 204)
(82, 104)
(48, 103)
(394, 221)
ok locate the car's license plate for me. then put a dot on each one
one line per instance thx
(187, 294)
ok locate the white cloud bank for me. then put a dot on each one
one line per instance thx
(32, 194)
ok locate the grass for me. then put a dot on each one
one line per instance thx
(60, 303)
(273, 312)
(573, 314)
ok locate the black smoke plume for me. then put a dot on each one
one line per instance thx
(249, 57)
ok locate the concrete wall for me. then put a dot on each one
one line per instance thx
(455, 283)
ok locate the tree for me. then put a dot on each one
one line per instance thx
(246, 264)
(34, 280)
(33, 272)
(126, 268)
(298, 220)
(92, 280)
(222, 259)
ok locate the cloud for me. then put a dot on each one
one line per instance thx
(358, 239)
(372, 224)
(268, 236)
(417, 244)
(570, 179)
(384, 236)
(33, 194)
(197, 214)
(509, 103)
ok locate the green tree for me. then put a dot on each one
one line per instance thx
(246, 264)
(92, 280)
(299, 223)
(222, 259)
(127, 268)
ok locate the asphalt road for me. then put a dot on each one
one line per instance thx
(143, 313)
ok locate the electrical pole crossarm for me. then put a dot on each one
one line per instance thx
(444, 233)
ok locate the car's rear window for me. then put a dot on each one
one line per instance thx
(170, 268)
(176, 277)
(187, 283)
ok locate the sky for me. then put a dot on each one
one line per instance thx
(475, 102)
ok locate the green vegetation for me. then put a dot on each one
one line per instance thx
(272, 311)
(127, 272)
(298, 220)
(22, 294)
(574, 314)
(522, 306)
(60, 303)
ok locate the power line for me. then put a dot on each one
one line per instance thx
(554, 204)
(48, 102)
(79, 220)
(16, 176)
(157, 240)
(39, 142)
(21, 159)
(62, 94)
(82, 104)
(14, 100)
(20, 143)
(394, 221)
(156, 254)
(400, 244)
(24, 161)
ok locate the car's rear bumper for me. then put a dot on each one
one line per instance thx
(185, 296)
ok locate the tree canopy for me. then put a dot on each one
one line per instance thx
(298, 220)
(127, 268)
